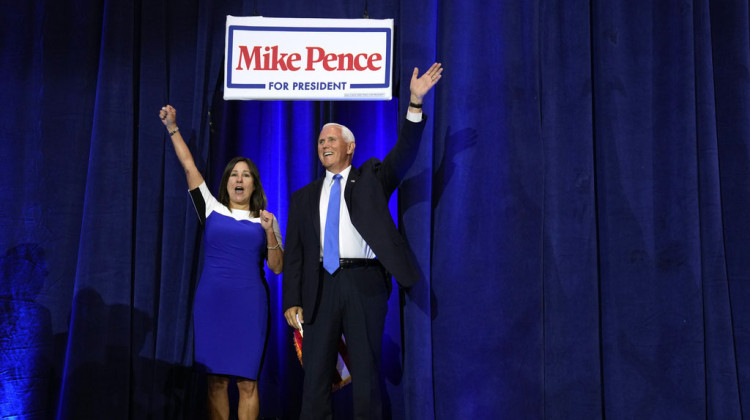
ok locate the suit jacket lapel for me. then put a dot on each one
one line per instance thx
(315, 205)
(350, 183)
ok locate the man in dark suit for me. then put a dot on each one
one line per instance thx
(341, 243)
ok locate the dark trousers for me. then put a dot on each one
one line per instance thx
(353, 301)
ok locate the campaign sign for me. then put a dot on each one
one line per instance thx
(308, 59)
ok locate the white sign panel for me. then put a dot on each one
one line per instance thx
(308, 59)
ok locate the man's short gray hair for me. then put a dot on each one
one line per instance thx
(346, 133)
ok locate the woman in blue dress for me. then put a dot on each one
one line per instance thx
(230, 316)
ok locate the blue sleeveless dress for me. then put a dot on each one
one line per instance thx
(231, 312)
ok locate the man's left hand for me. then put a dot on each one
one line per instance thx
(419, 86)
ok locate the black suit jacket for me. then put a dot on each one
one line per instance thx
(367, 193)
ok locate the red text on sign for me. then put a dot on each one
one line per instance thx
(269, 58)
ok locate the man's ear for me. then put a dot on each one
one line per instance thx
(350, 148)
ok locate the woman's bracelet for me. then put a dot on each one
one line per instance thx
(278, 245)
(171, 133)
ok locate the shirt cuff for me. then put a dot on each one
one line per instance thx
(414, 117)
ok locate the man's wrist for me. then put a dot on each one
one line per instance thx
(415, 103)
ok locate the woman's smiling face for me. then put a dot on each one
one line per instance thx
(240, 186)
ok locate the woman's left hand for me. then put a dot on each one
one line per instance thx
(266, 220)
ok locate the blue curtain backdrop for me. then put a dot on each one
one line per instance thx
(580, 209)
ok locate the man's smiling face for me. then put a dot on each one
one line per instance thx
(333, 151)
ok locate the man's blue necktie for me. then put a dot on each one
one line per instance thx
(331, 238)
